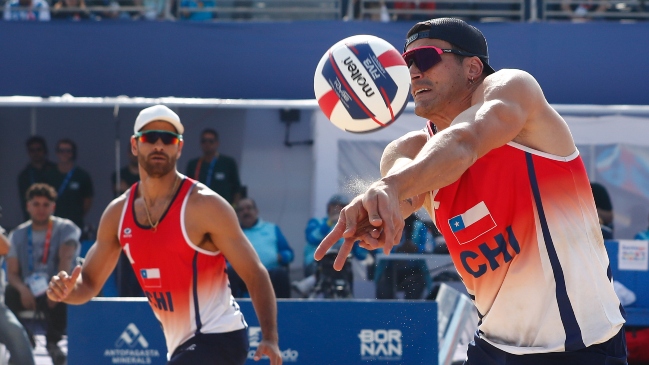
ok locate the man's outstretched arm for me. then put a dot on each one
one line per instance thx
(86, 281)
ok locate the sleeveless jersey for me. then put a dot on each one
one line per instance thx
(522, 230)
(187, 287)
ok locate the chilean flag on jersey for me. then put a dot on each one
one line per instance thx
(472, 224)
(150, 278)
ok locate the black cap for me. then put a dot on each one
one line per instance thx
(456, 32)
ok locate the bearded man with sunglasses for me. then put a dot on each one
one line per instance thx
(498, 171)
(176, 233)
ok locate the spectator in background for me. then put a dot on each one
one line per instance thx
(218, 171)
(316, 230)
(72, 183)
(27, 10)
(196, 6)
(127, 284)
(39, 169)
(40, 248)
(642, 235)
(70, 10)
(604, 209)
(271, 246)
(411, 276)
(116, 9)
(128, 175)
(12, 333)
(586, 10)
(155, 9)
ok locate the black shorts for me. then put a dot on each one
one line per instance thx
(611, 352)
(230, 348)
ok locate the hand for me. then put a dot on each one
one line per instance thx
(270, 349)
(374, 218)
(62, 284)
(27, 299)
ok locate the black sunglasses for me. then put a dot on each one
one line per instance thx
(153, 136)
(427, 57)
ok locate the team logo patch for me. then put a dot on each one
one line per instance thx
(472, 224)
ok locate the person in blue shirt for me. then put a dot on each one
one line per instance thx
(411, 276)
(315, 232)
(271, 247)
(642, 235)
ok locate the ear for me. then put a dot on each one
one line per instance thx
(133, 146)
(180, 149)
(473, 68)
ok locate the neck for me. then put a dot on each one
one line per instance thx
(208, 156)
(444, 118)
(65, 166)
(158, 187)
(40, 225)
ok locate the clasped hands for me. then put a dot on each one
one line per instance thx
(373, 218)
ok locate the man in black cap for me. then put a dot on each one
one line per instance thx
(499, 173)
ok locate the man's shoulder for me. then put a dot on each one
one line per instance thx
(226, 158)
(21, 228)
(64, 223)
(81, 172)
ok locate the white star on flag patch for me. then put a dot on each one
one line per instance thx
(472, 224)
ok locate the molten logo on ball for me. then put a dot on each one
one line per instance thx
(362, 84)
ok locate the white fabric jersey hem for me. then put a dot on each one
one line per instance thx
(550, 156)
(184, 229)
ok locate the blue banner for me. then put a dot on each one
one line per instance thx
(125, 331)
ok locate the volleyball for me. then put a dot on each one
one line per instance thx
(362, 84)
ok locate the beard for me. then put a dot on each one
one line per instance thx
(157, 168)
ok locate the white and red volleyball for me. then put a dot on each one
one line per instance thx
(362, 84)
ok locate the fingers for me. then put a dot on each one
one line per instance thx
(75, 274)
(344, 251)
(272, 352)
(330, 240)
(371, 205)
(61, 284)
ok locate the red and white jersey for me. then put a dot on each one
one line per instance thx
(187, 287)
(522, 229)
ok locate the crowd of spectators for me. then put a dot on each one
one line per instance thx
(376, 10)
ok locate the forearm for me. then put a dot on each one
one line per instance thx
(16, 281)
(439, 163)
(67, 252)
(264, 302)
(82, 291)
(4, 244)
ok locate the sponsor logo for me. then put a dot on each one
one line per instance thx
(344, 95)
(127, 232)
(374, 67)
(254, 338)
(356, 75)
(131, 347)
(381, 344)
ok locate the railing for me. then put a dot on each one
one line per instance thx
(479, 10)
(379, 10)
(583, 10)
(259, 10)
(102, 9)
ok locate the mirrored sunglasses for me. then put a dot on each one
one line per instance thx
(153, 136)
(427, 57)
